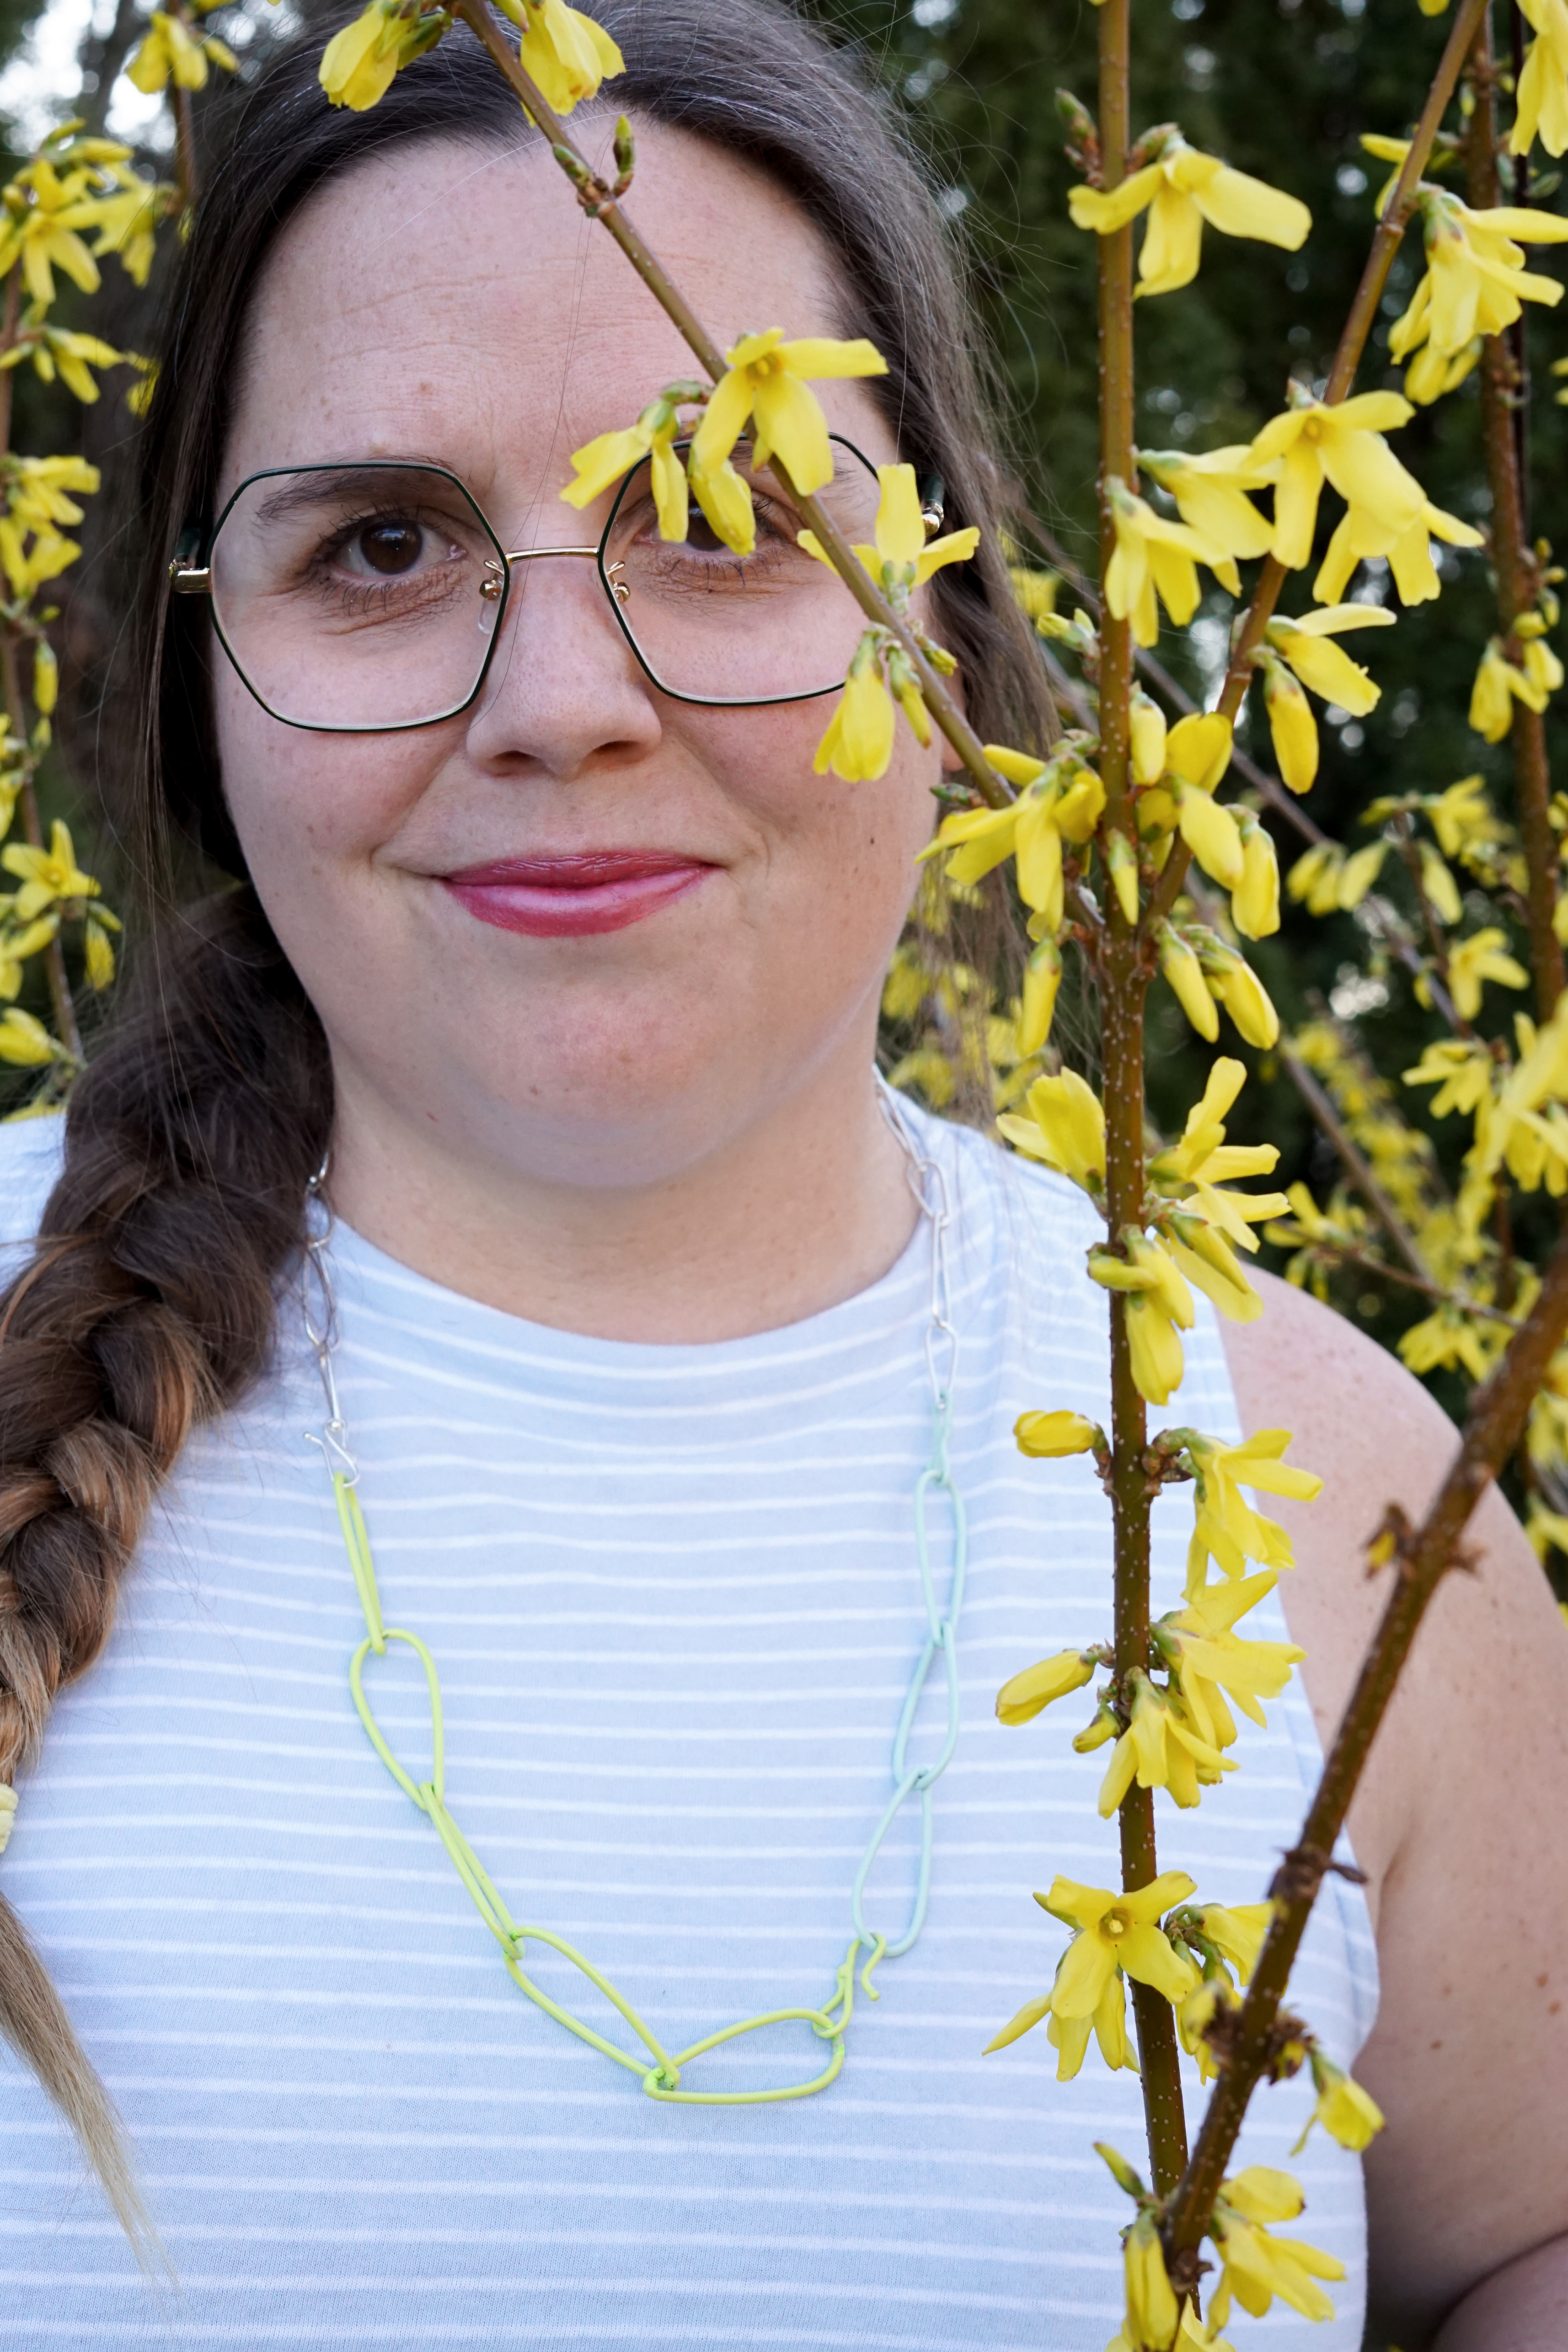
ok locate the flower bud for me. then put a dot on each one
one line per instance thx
(1042, 978)
(1028, 1694)
(1181, 969)
(1046, 1436)
(1122, 865)
(1292, 727)
(1148, 727)
(1255, 902)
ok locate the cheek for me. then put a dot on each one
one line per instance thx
(303, 804)
(840, 857)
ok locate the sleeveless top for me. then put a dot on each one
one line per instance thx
(673, 1595)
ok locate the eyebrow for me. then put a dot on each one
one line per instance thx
(316, 486)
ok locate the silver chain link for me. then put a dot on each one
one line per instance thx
(927, 1182)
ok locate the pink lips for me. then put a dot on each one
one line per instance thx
(574, 896)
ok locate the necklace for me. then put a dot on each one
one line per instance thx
(661, 2078)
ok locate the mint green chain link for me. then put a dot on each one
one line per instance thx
(661, 2079)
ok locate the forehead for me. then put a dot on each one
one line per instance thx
(452, 301)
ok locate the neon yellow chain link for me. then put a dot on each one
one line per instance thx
(661, 2079)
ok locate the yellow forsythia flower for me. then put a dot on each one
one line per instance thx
(1232, 980)
(1236, 1931)
(43, 214)
(1461, 1070)
(1210, 494)
(1475, 283)
(1473, 961)
(1151, 2310)
(46, 874)
(1541, 104)
(1065, 1128)
(1162, 1749)
(1408, 553)
(1224, 1525)
(126, 222)
(1041, 979)
(858, 744)
(1499, 685)
(1211, 833)
(602, 463)
(1115, 1932)
(1211, 1657)
(902, 560)
(166, 53)
(902, 557)
(1310, 443)
(1199, 749)
(98, 952)
(26, 1042)
(565, 51)
(764, 382)
(1306, 643)
(1059, 799)
(1183, 188)
(1114, 1935)
(1256, 2267)
(359, 63)
(1155, 554)
(1345, 2111)
(1157, 1305)
(15, 946)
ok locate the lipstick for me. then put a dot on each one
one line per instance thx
(576, 895)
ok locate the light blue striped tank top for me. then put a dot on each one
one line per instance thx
(674, 1597)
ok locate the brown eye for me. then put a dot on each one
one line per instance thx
(391, 547)
(700, 534)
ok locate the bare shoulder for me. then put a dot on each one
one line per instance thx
(1466, 1796)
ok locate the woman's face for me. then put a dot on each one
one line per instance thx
(452, 304)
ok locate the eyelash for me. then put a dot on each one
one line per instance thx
(357, 596)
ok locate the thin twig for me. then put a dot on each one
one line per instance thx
(1351, 1256)
(1357, 1168)
(1358, 326)
(602, 206)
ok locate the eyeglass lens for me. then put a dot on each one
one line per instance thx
(366, 597)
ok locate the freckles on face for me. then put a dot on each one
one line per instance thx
(493, 355)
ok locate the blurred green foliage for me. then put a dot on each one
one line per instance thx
(1283, 89)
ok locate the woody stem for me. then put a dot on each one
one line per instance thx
(1124, 982)
(1423, 1557)
(1514, 566)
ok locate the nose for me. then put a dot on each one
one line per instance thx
(564, 688)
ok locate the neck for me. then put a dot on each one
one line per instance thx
(784, 1214)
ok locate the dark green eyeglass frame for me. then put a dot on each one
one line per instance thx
(190, 574)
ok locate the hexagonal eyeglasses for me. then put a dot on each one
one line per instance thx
(357, 599)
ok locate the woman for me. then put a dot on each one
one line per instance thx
(571, 993)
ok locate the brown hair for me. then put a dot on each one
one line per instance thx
(149, 1304)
